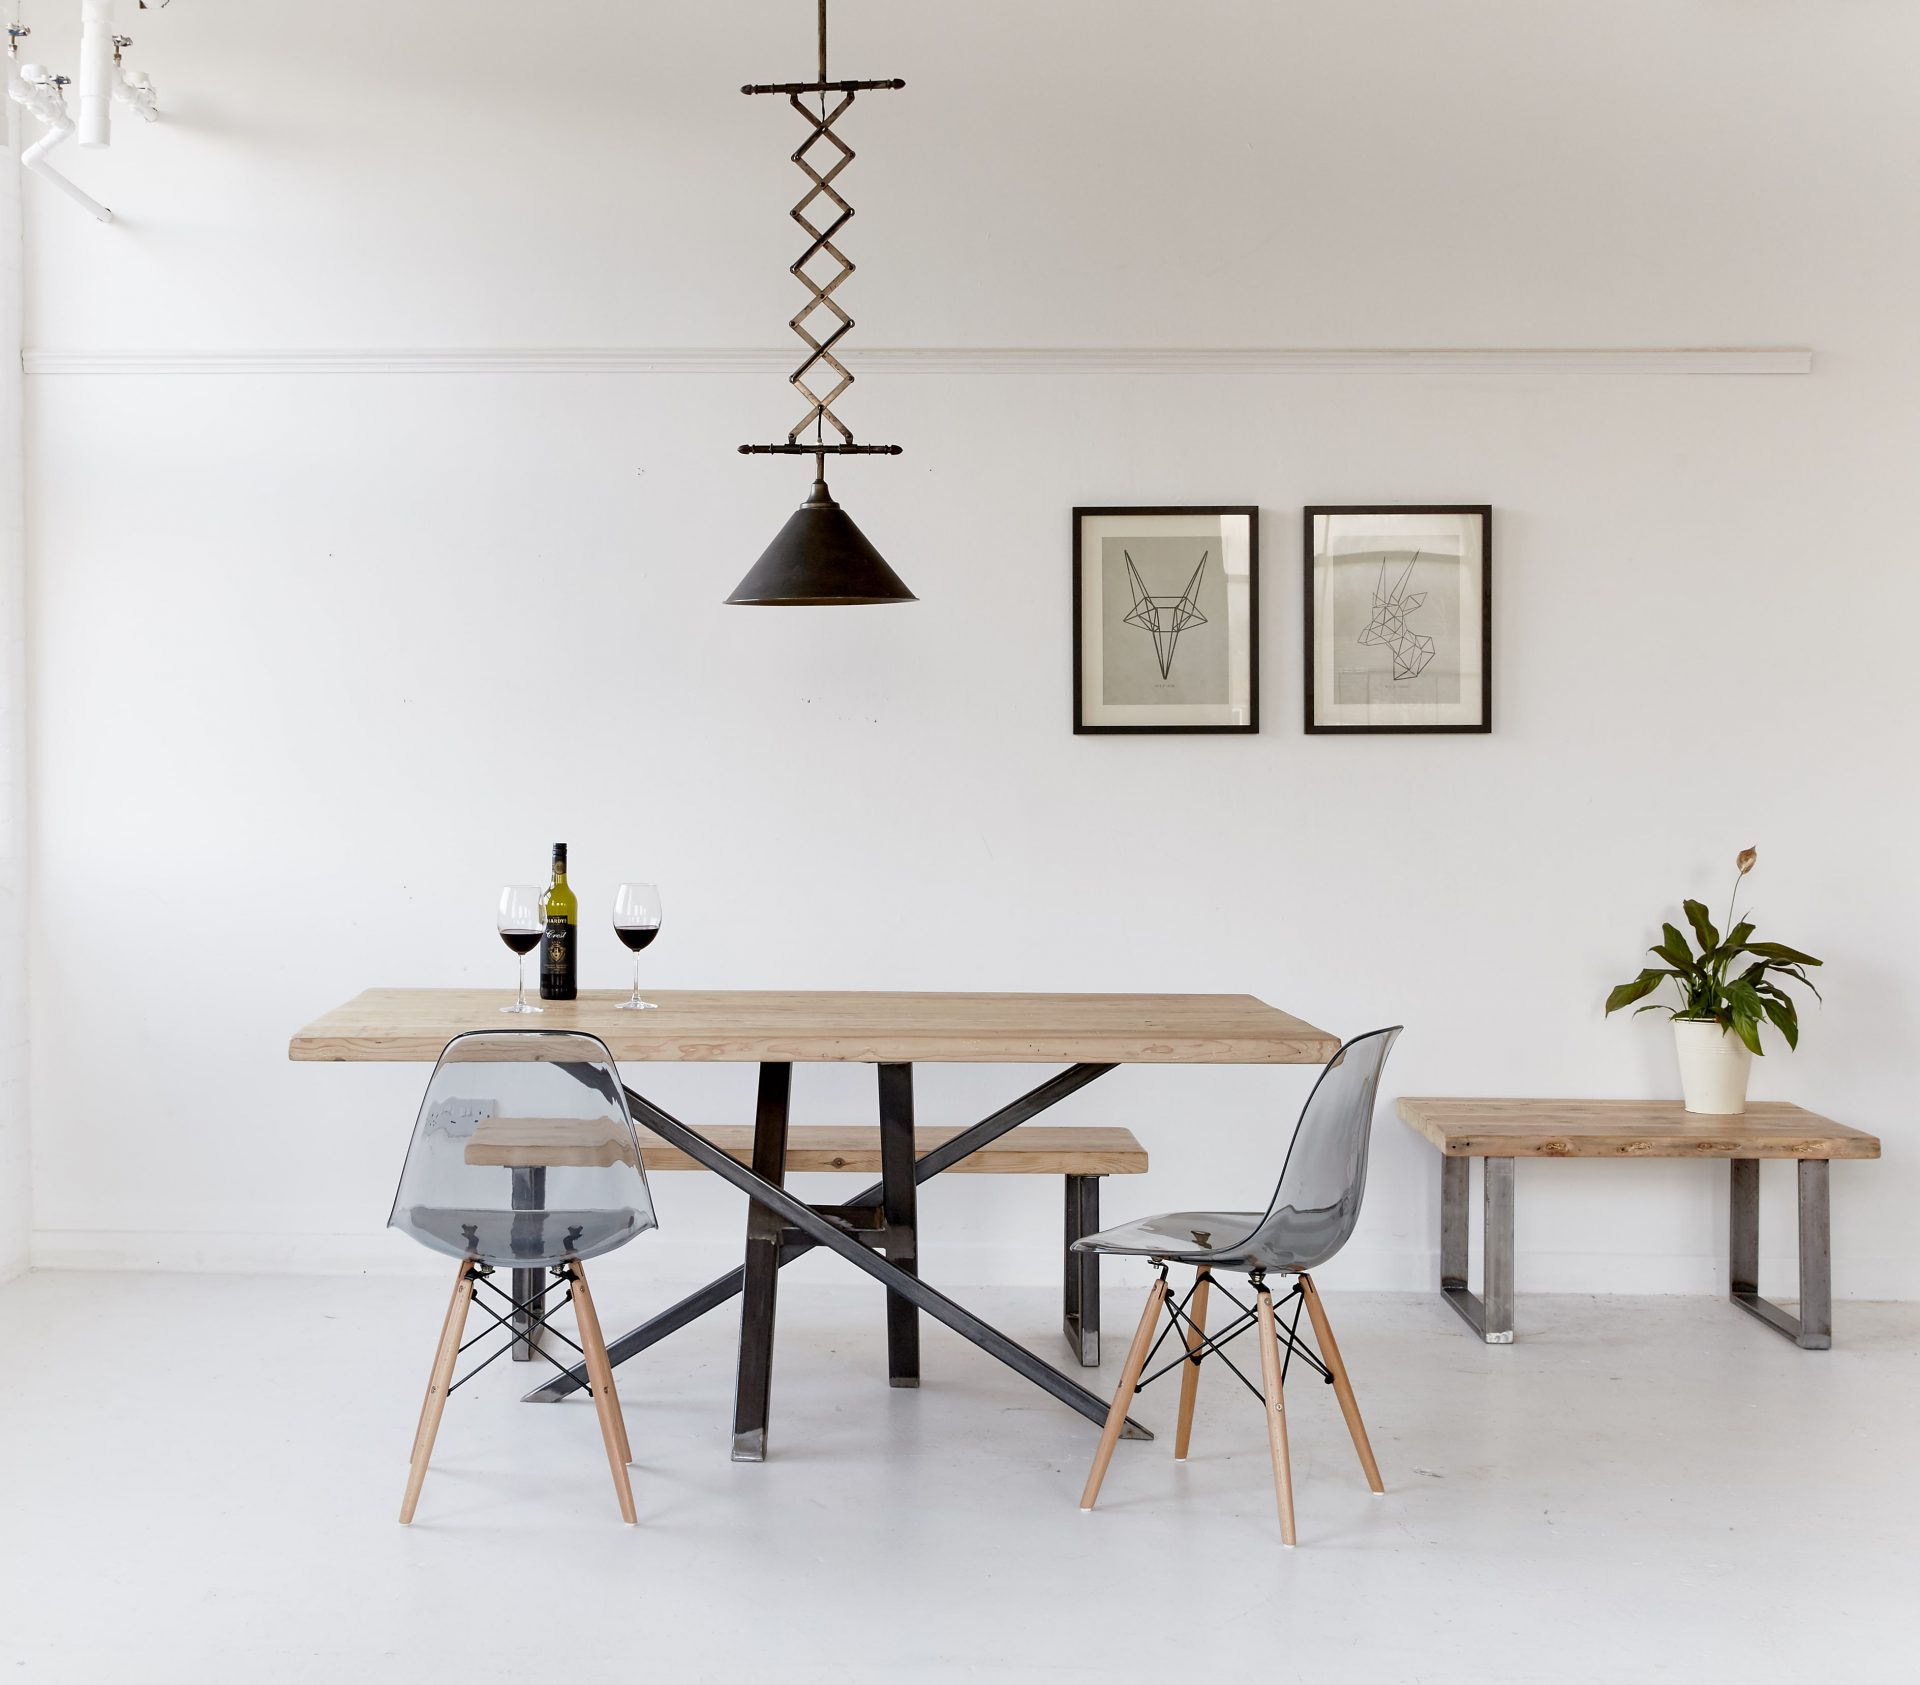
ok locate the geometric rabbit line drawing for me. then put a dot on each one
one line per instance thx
(1165, 618)
(1411, 650)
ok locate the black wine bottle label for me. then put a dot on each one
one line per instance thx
(559, 961)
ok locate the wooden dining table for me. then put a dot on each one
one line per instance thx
(876, 1231)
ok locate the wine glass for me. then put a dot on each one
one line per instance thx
(636, 921)
(521, 926)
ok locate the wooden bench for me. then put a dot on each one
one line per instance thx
(1080, 1156)
(1499, 1131)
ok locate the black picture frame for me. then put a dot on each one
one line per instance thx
(1082, 726)
(1309, 630)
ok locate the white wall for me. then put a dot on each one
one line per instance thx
(320, 659)
(16, 1189)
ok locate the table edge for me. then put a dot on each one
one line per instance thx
(1314, 1049)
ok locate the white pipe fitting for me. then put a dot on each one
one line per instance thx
(97, 75)
(135, 91)
(34, 89)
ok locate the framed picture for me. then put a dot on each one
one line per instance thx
(1399, 618)
(1166, 612)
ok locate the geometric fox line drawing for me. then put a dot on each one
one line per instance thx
(1165, 618)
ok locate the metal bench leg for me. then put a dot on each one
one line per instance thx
(1743, 1229)
(1816, 1257)
(1812, 1329)
(1496, 1241)
(1080, 1273)
(753, 1385)
(898, 1205)
(1492, 1317)
(1456, 1186)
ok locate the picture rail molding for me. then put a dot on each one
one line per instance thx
(671, 360)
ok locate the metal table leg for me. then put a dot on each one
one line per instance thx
(529, 1286)
(1492, 1317)
(898, 1202)
(722, 1288)
(1812, 1329)
(824, 1232)
(1080, 1309)
(752, 1386)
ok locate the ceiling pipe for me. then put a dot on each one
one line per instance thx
(96, 72)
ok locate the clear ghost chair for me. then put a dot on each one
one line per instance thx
(1311, 1215)
(523, 1158)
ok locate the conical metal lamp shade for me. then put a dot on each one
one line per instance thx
(820, 558)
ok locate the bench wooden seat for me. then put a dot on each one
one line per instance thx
(1032, 1150)
(1629, 1129)
(548, 1143)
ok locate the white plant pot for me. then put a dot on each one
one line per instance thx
(1713, 1067)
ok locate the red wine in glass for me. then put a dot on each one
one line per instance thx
(518, 919)
(636, 921)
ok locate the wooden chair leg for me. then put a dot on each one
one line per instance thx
(446, 1322)
(600, 1374)
(1123, 1394)
(1196, 1337)
(1276, 1410)
(437, 1386)
(1342, 1387)
(587, 1314)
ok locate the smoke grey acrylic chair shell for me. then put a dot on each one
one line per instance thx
(523, 1158)
(1312, 1214)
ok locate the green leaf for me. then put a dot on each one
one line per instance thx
(1780, 954)
(1799, 977)
(1703, 930)
(1749, 1009)
(1785, 1019)
(1733, 944)
(1638, 989)
(1672, 947)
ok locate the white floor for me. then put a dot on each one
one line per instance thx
(199, 1475)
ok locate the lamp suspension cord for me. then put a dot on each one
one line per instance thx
(819, 421)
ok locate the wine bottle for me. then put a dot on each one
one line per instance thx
(560, 948)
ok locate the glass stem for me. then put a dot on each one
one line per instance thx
(522, 1002)
(636, 974)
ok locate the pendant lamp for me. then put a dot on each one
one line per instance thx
(820, 557)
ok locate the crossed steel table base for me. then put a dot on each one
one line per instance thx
(876, 1231)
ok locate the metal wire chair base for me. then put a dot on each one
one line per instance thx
(1215, 1345)
(535, 1309)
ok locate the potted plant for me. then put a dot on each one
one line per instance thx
(1716, 1026)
